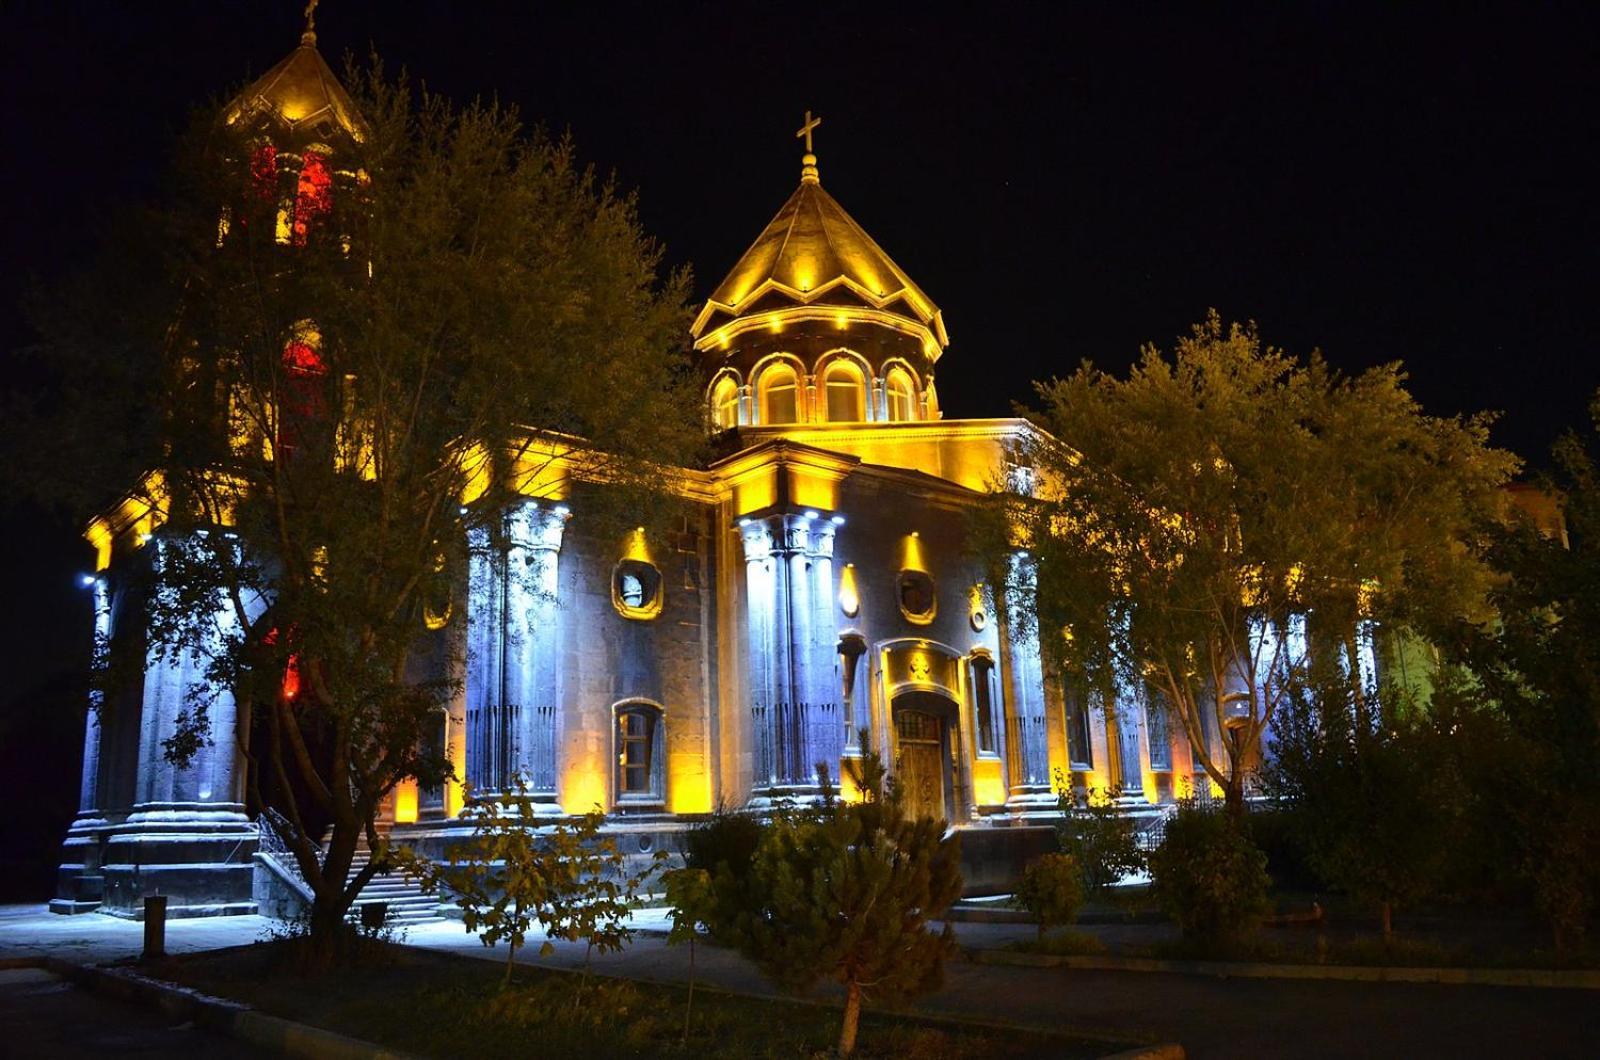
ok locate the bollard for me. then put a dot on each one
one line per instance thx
(155, 927)
(373, 914)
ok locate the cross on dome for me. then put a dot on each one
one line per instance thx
(808, 161)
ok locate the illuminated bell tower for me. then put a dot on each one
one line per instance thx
(146, 826)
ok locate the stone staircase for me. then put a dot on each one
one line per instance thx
(407, 904)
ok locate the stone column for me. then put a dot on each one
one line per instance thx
(80, 885)
(760, 619)
(532, 632)
(188, 836)
(826, 737)
(487, 739)
(747, 413)
(1027, 739)
(89, 789)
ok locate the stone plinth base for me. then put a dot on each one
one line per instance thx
(200, 856)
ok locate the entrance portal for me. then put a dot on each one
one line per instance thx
(922, 753)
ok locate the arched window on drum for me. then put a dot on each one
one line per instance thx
(780, 395)
(901, 395)
(846, 392)
(725, 404)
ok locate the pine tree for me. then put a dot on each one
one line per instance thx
(845, 892)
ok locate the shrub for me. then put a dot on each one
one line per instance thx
(1207, 875)
(729, 837)
(845, 892)
(1097, 836)
(513, 874)
(1063, 944)
(1052, 890)
(1280, 835)
(723, 848)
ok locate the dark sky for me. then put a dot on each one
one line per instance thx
(1065, 181)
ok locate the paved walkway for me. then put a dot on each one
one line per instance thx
(1211, 1017)
(43, 1016)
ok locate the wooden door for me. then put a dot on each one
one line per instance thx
(921, 763)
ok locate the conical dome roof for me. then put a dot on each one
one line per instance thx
(302, 94)
(814, 256)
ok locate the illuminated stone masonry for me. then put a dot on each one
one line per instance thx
(819, 591)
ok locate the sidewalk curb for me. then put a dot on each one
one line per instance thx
(1574, 979)
(237, 1020)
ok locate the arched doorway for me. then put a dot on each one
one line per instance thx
(923, 723)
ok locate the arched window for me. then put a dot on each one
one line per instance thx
(780, 395)
(845, 391)
(902, 395)
(725, 404)
(639, 758)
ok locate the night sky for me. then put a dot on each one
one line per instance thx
(1063, 181)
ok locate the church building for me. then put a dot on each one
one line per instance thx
(820, 594)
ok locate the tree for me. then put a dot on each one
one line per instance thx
(1378, 811)
(1189, 518)
(845, 891)
(512, 874)
(689, 901)
(317, 414)
(1538, 667)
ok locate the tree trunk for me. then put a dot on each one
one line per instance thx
(1388, 922)
(1233, 798)
(327, 930)
(852, 1018)
(688, 1010)
(511, 960)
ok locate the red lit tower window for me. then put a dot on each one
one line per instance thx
(313, 196)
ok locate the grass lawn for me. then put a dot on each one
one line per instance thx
(443, 1005)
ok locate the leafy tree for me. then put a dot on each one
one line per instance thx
(1192, 513)
(318, 421)
(566, 877)
(1207, 875)
(1052, 890)
(1097, 836)
(1539, 666)
(1378, 811)
(845, 891)
(689, 899)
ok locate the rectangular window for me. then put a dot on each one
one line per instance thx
(1080, 750)
(1158, 723)
(983, 702)
(636, 753)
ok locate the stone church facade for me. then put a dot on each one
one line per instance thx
(819, 594)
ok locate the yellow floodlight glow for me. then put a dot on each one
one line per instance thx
(688, 785)
(911, 553)
(849, 597)
(101, 538)
(583, 786)
(635, 546)
(405, 801)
